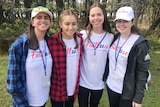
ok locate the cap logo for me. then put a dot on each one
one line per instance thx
(125, 13)
(122, 11)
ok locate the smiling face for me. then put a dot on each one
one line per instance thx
(96, 17)
(41, 22)
(123, 26)
(68, 25)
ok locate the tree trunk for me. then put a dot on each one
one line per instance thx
(1, 13)
(155, 24)
(74, 3)
(139, 7)
(60, 5)
(27, 4)
(41, 2)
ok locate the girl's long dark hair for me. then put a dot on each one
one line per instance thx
(134, 29)
(32, 39)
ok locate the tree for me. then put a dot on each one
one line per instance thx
(60, 5)
(74, 4)
(139, 7)
(27, 3)
(155, 14)
(1, 13)
(41, 2)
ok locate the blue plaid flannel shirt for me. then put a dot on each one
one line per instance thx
(16, 77)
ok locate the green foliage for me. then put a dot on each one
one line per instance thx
(53, 29)
(8, 32)
(154, 39)
(154, 45)
(12, 28)
(155, 36)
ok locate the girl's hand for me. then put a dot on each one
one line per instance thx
(134, 104)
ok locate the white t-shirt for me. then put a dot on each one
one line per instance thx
(72, 65)
(94, 59)
(117, 71)
(38, 85)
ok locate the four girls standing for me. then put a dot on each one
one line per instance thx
(30, 61)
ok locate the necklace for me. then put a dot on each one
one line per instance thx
(118, 51)
(95, 47)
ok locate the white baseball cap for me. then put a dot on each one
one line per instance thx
(125, 13)
(39, 9)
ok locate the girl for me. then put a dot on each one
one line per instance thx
(97, 39)
(128, 63)
(30, 63)
(66, 49)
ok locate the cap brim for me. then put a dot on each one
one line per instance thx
(122, 18)
(43, 11)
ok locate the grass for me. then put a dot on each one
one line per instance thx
(151, 98)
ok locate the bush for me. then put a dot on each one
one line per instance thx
(12, 28)
(154, 39)
(8, 32)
